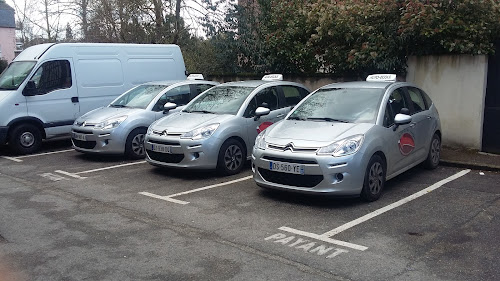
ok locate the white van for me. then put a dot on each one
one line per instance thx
(48, 86)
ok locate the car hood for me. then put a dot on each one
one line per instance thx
(312, 133)
(182, 122)
(105, 113)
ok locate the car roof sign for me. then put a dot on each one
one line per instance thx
(195, 77)
(381, 78)
(273, 77)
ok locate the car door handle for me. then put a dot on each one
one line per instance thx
(74, 99)
(412, 125)
(280, 115)
(429, 117)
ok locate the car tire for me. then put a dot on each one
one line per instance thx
(434, 154)
(25, 139)
(134, 147)
(232, 157)
(374, 181)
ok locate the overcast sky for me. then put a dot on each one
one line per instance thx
(188, 17)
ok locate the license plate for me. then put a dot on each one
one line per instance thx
(286, 168)
(78, 136)
(160, 148)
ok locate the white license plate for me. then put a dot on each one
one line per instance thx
(286, 168)
(78, 136)
(160, 148)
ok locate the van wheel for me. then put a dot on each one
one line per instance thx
(232, 157)
(434, 154)
(25, 139)
(134, 147)
(374, 182)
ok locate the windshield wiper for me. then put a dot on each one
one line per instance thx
(296, 118)
(328, 119)
(118, 105)
(201, 111)
(3, 88)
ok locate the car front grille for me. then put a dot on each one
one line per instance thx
(290, 179)
(84, 144)
(165, 157)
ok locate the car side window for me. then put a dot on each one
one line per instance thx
(267, 97)
(394, 105)
(178, 95)
(292, 95)
(52, 75)
(416, 99)
(427, 99)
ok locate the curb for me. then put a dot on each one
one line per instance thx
(474, 166)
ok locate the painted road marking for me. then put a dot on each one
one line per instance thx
(305, 245)
(17, 159)
(76, 175)
(395, 204)
(53, 177)
(69, 174)
(169, 197)
(326, 237)
(12, 159)
(323, 238)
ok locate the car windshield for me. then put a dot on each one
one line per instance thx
(349, 105)
(220, 100)
(138, 97)
(15, 74)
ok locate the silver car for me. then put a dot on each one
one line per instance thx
(349, 138)
(120, 127)
(218, 128)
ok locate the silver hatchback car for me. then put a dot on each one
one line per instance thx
(349, 138)
(218, 128)
(120, 127)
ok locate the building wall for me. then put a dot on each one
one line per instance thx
(457, 85)
(8, 43)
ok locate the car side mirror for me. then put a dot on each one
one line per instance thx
(261, 111)
(401, 119)
(30, 89)
(169, 106)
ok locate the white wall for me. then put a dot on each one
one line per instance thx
(457, 85)
(8, 43)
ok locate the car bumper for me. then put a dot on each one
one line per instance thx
(184, 153)
(338, 176)
(99, 141)
(3, 135)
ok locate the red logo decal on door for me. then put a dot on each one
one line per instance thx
(406, 144)
(263, 126)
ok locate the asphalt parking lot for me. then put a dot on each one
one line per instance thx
(69, 216)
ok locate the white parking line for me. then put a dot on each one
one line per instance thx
(169, 197)
(326, 236)
(394, 205)
(323, 238)
(12, 159)
(111, 167)
(17, 159)
(69, 174)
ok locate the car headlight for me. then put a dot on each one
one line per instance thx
(110, 123)
(76, 122)
(201, 133)
(260, 141)
(343, 147)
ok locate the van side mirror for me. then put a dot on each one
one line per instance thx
(169, 106)
(261, 111)
(30, 89)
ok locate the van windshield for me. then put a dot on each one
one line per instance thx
(15, 74)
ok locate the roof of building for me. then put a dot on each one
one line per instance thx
(6, 15)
